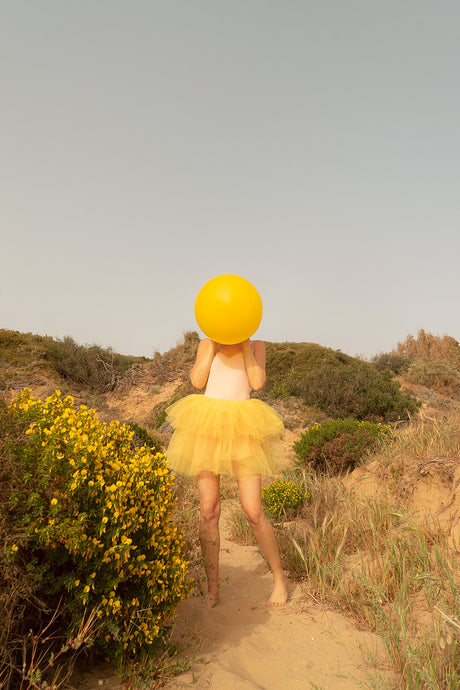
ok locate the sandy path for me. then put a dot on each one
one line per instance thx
(241, 645)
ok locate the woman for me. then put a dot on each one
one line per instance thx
(225, 431)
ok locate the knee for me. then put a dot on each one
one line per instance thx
(254, 515)
(210, 512)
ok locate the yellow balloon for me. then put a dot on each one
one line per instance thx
(228, 309)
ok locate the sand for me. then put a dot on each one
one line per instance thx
(242, 645)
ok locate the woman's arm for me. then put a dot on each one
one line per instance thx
(254, 359)
(204, 356)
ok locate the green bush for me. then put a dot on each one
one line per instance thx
(94, 367)
(391, 362)
(439, 375)
(301, 358)
(336, 446)
(89, 522)
(357, 390)
(283, 498)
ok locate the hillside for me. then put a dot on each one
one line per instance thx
(421, 376)
(302, 378)
(361, 520)
(121, 386)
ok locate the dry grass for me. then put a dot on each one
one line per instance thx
(392, 572)
(424, 453)
(371, 560)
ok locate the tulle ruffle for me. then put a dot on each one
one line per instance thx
(241, 438)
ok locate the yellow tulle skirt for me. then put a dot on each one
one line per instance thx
(241, 438)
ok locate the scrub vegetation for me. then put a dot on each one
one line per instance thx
(98, 542)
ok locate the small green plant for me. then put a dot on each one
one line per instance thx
(283, 498)
(338, 445)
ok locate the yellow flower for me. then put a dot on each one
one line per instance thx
(53, 501)
(14, 547)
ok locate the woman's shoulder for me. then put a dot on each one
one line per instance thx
(258, 344)
(205, 344)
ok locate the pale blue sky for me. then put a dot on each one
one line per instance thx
(311, 147)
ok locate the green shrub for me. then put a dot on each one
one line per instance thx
(439, 375)
(336, 446)
(283, 498)
(89, 521)
(92, 366)
(357, 390)
(284, 358)
(346, 388)
(391, 362)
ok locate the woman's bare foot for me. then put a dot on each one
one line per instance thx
(279, 594)
(211, 599)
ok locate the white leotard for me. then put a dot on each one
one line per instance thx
(228, 378)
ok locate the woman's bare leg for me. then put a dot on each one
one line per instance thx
(250, 496)
(209, 490)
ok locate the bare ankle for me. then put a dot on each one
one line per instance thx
(212, 598)
(279, 593)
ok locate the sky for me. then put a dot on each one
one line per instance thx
(312, 147)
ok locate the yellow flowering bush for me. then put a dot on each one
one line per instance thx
(96, 522)
(283, 498)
